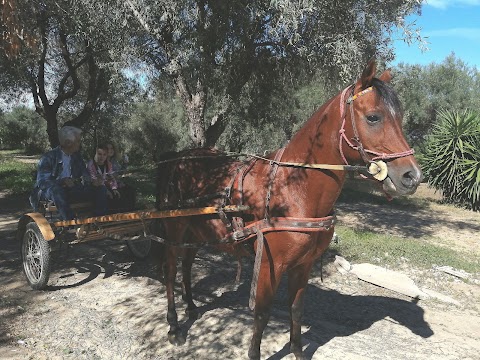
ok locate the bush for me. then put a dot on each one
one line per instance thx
(155, 127)
(22, 128)
(451, 162)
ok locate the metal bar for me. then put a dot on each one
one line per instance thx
(139, 215)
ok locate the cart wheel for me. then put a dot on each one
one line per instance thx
(140, 248)
(35, 257)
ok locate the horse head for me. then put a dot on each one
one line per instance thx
(372, 129)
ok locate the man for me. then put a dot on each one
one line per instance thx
(59, 176)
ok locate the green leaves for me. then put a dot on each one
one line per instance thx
(452, 158)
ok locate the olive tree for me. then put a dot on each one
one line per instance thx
(60, 63)
(211, 50)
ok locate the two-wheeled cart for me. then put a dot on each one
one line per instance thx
(39, 232)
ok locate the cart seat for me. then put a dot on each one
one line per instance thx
(48, 206)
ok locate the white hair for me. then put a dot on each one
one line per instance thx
(68, 134)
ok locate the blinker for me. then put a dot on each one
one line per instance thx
(378, 169)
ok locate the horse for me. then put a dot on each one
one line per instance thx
(290, 222)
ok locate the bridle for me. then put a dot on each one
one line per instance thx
(356, 143)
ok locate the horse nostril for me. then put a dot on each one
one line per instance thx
(412, 178)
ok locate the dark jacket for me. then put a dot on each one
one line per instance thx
(49, 170)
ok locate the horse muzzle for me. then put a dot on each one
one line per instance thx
(402, 180)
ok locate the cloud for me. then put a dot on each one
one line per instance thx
(466, 33)
(443, 4)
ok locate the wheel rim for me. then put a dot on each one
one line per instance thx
(32, 256)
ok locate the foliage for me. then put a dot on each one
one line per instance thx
(23, 128)
(450, 85)
(154, 127)
(62, 63)
(451, 162)
(211, 51)
(15, 176)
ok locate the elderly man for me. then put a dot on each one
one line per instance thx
(60, 174)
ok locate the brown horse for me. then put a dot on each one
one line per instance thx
(290, 221)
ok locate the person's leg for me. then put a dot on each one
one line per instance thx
(128, 197)
(59, 197)
(99, 197)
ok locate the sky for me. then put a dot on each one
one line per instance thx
(449, 26)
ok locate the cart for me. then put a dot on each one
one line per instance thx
(40, 232)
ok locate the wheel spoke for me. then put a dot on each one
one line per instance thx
(33, 256)
(36, 257)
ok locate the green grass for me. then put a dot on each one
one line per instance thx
(366, 246)
(15, 176)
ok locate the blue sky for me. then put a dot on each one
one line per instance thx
(449, 26)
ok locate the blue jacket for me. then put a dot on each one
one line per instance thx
(50, 168)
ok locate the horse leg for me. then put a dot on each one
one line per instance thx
(175, 335)
(266, 288)
(239, 270)
(297, 282)
(187, 262)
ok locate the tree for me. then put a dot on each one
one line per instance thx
(211, 50)
(63, 64)
(450, 85)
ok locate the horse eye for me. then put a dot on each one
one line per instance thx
(373, 119)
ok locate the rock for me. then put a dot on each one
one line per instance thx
(342, 265)
(449, 270)
(441, 297)
(388, 279)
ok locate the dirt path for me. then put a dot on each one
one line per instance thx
(101, 304)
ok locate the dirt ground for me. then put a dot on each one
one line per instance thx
(103, 304)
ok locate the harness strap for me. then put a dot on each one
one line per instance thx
(359, 146)
(273, 173)
(243, 173)
(256, 270)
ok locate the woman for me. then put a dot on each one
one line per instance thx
(118, 167)
(101, 173)
(114, 157)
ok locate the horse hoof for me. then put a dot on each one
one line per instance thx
(176, 337)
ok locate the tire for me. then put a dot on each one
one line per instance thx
(35, 257)
(140, 248)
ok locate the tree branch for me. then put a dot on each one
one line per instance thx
(71, 73)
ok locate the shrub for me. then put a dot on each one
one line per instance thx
(22, 128)
(451, 161)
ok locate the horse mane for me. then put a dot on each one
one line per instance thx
(389, 96)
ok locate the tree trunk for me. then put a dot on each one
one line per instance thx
(52, 127)
(196, 119)
(194, 105)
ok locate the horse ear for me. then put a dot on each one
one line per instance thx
(368, 74)
(386, 76)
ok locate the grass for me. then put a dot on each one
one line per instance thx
(366, 246)
(15, 176)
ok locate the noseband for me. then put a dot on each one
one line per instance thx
(356, 138)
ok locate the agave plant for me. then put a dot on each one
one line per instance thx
(452, 158)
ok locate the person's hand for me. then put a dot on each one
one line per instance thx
(116, 193)
(97, 182)
(68, 182)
